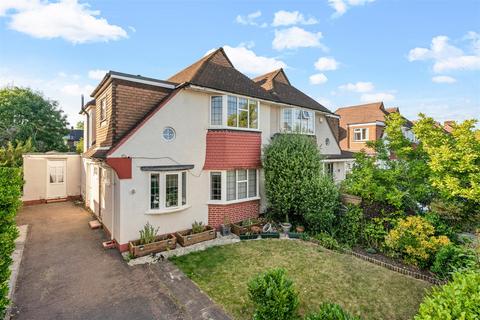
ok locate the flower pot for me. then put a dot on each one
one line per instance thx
(239, 229)
(300, 229)
(248, 236)
(286, 227)
(187, 238)
(225, 230)
(294, 235)
(162, 242)
(270, 235)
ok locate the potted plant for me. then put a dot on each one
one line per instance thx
(198, 233)
(225, 228)
(286, 226)
(244, 226)
(150, 242)
(300, 229)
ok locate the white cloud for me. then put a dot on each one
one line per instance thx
(67, 19)
(360, 87)
(249, 62)
(379, 96)
(287, 18)
(341, 6)
(75, 89)
(447, 57)
(296, 37)
(251, 19)
(444, 79)
(318, 78)
(326, 64)
(97, 74)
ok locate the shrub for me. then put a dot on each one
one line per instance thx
(349, 225)
(331, 311)
(413, 239)
(458, 299)
(441, 227)
(197, 227)
(148, 234)
(10, 186)
(327, 241)
(374, 233)
(292, 167)
(452, 258)
(273, 295)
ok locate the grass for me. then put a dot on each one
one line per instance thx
(362, 288)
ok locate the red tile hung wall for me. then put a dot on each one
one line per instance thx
(229, 149)
(235, 212)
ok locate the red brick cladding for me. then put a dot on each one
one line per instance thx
(235, 212)
(228, 149)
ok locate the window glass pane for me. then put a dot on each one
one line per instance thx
(231, 185)
(184, 188)
(232, 111)
(297, 123)
(241, 175)
(253, 113)
(215, 186)
(242, 183)
(243, 113)
(287, 120)
(216, 111)
(252, 183)
(154, 191)
(171, 190)
(53, 176)
(310, 121)
(59, 171)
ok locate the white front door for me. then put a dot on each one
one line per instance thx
(56, 179)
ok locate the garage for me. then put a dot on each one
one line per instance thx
(51, 176)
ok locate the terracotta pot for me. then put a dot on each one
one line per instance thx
(300, 229)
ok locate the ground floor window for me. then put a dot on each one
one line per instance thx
(168, 190)
(231, 185)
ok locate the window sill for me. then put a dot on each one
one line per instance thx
(226, 203)
(233, 128)
(166, 211)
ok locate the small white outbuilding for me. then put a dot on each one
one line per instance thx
(51, 176)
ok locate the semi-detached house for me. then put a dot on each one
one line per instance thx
(189, 148)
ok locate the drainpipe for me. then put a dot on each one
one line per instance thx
(112, 185)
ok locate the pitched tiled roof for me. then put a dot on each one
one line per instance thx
(215, 71)
(366, 113)
(278, 85)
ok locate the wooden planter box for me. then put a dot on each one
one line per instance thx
(350, 199)
(248, 236)
(187, 238)
(267, 235)
(163, 242)
(238, 229)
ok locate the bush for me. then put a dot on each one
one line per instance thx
(452, 258)
(327, 241)
(440, 225)
(349, 225)
(10, 186)
(293, 180)
(458, 299)
(374, 233)
(330, 311)
(413, 240)
(273, 295)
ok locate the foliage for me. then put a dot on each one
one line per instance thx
(11, 154)
(327, 241)
(413, 239)
(331, 311)
(148, 234)
(197, 227)
(452, 258)
(441, 226)
(273, 295)
(79, 125)
(292, 166)
(27, 114)
(457, 213)
(10, 185)
(348, 225)
(458, 299)
(374, 233)
(79, 147)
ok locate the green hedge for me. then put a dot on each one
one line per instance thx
(10, 185)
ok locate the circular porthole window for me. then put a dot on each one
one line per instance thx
(327, 141)
(168, 134)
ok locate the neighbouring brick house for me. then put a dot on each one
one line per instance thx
(189, 148)
(366, 122)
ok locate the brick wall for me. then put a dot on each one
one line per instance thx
(229, 149)
(235, 212)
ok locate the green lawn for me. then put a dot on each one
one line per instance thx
(360, 287)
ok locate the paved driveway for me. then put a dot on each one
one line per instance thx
(66, 274)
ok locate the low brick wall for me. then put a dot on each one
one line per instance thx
(235, 212)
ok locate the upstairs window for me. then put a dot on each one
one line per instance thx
(298, 121)
(240, 112)
(360, 134)
(103, 109)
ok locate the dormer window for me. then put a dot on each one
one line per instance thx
(234, 112)
(298, 121)
(103, 109)
(360, 134)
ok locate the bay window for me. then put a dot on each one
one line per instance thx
(239, 112)
(298, 121)
(239, 185)
(168, 190)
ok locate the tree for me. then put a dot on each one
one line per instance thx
(79, 147)
(293, 179)
(25, 114)
(11, 155)
(79, 125)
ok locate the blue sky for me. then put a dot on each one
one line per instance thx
(421, 56)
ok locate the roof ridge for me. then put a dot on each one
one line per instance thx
(378, 103)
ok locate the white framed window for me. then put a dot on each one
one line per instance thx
(168, 134)
(298, 120)
(56, 175)
(103, 109)
(168, 190)
(240, 112)
(360, 134)
(234, 185)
